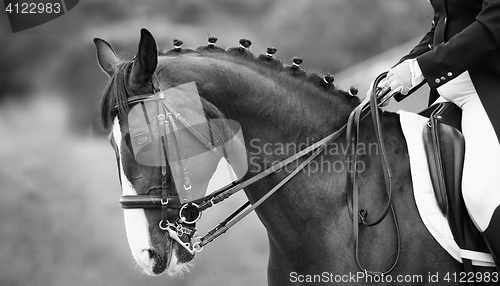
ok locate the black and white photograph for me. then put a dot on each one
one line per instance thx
(249, 142)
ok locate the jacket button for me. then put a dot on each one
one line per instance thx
(449, 74)
(443, 78)
(437, 80)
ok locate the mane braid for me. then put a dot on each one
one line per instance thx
(279, 73)
(114, 101)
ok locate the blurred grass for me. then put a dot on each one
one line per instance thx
(60, 221)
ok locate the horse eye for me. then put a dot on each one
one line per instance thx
(142, 140)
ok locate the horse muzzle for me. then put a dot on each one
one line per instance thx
(178, 220)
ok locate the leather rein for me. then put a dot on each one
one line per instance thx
(174, 211)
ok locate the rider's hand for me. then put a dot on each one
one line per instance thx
(399, 78)
(404, 77)
(380, 85)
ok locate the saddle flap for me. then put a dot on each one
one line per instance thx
(445, 148)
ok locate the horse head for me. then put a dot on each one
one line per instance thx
(146, 95)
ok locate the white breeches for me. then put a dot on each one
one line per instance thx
(481, 176)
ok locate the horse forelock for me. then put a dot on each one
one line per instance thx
(114, 99)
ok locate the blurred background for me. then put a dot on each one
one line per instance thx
(60, 221)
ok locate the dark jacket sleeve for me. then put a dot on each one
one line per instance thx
(465, 49)
(424, 46)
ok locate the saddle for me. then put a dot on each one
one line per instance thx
(445, 149)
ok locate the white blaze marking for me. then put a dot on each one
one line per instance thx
(136, 224)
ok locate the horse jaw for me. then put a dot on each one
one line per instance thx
(137, 225)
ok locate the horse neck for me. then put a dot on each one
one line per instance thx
(268, 104)
(295, 117)
(280, 108)
(309, 214)
(274, 110)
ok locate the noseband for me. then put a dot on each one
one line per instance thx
(179, 218)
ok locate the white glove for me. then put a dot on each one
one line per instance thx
(404, 77)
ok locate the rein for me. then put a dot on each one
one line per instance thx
(359, 216)
(167, 202)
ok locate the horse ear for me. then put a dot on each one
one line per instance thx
(146, 58)
(106, 56)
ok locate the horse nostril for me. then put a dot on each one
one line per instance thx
(153, 254)
(159, 263)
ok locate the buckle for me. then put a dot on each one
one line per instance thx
(212, 202)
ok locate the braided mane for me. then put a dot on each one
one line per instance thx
(114, 100)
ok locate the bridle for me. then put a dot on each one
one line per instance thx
(179, 218)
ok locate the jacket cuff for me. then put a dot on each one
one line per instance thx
(416, 73)
(432, 71)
